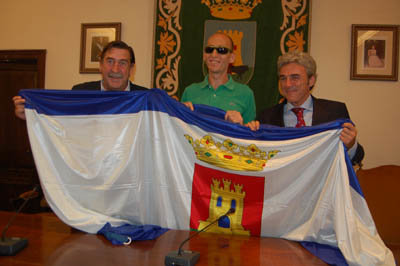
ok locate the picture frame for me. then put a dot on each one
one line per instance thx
(374, 52)
(94, 36)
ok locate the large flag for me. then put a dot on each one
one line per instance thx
(143, 158)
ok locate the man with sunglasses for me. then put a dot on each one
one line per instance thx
(116, 63)
(297, 76)
(218, 89)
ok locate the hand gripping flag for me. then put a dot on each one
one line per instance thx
(143, 158)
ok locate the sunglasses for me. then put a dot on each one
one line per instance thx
(220, 50)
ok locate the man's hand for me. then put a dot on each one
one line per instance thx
(348, 135)
(19, 104)
(253, 125)
(189, 105)
(175, 97)
(234, 117)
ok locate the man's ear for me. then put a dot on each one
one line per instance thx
(311, 81)
(232, 58)
(132, 70)
(100, 65)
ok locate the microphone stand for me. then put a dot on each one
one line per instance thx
(187, 257)
(12, 245)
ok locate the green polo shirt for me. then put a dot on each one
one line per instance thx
(229, 96)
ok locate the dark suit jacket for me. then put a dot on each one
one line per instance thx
(96, 86)
(324, 111)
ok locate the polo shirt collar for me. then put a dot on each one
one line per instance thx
(229, 84)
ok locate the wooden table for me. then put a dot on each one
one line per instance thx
(51, 242)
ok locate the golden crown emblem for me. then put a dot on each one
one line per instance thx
(231, 9)
(230, 155)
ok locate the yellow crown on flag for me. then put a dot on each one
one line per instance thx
(231, 9)
(229, 155)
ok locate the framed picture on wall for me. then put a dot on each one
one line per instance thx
(374, 52)
(94, 36)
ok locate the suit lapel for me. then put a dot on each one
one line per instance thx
(279, 116)
(319, 112)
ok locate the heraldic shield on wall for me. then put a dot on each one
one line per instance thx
(261, 30)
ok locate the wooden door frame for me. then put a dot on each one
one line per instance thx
(15, 180)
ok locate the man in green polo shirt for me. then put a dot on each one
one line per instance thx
(218, 89)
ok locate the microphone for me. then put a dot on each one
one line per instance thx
(12, 245)
(187, 257)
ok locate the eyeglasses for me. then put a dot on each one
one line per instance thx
(220, 50)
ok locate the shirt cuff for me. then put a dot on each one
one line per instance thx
(352, 151)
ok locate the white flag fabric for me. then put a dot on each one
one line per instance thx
(143, 158)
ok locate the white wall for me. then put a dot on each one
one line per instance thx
(55, 26)
(372, 104)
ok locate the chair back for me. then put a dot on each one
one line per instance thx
(381, 188)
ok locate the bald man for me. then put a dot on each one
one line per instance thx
(218, 89)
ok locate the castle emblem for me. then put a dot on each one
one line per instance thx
(229, 155)
(223, 199)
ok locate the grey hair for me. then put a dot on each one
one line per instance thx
(301, 58)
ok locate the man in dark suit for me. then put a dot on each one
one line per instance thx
(297, 76)
(116, 63)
